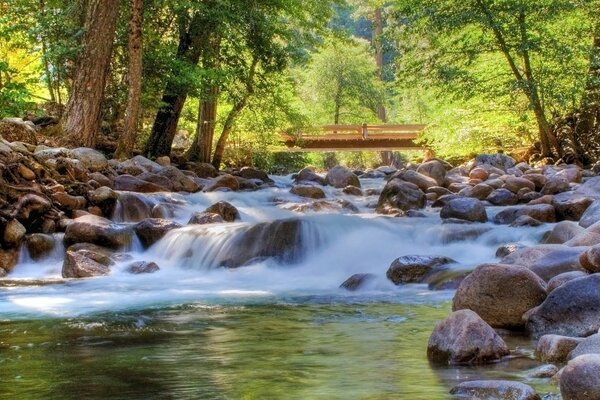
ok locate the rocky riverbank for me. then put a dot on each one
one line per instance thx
(98, 208)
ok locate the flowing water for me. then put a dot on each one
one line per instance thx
(265, 331)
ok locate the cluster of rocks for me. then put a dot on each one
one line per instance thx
(46, 190)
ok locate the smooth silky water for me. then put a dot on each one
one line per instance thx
(266, 331)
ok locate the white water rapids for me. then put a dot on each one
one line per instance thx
(337, 246)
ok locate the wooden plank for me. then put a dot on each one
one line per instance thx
(371, 143)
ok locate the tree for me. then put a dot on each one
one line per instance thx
(497, 48)
(134, 79)
(343, 89)
(83, 112)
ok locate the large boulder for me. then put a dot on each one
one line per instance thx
(309, 175)
(563, 278)
(253, 173)
(97, 230)
(547, 261)
(591, 215)
(503, 197)
(422, 181)
(500, 294)
(91, 159)
(400, 195)
(283, 241)
(340, 177)
(466, 209)
(151, 230)
(14, 233)
(540, 212)
(464, 338)
(180, 182)
(563, 232)
(85, 261)
(202, 170)
(590, 259)
(412, 269)
(433, 169)
(494, 390)
(515, 184)
(227, 211)
(571, 209)
(40, 245)
(589, 345)
(133, 184)
(580, 379)
(572, 309)
(17, 130)
(105, 198)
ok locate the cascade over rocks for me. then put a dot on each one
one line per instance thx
(151, 230)
(224, 209)
(500, 294)
(464, 338)
(203, 218)
(223, 182)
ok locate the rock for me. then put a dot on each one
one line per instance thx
(203, 218)
(164, 161)
(353, 191)
(202, 170)
(252, 173)
(541, 212)
(8, 259)
(481, 191)
(151, 230)
(227, 211)
(91, 159)
(31, 207)
(105, 198)
(580, 379)
(284, 241)
(561, 279)
(340, 177)
(563, 232)
(479, 173)
(494, 390)
(142, 267)
(17, 130)
(464, 338)
(543, 372)
(555, 348)
(133, 207)
(589, 345)
(547, 261)
(85, 263)
(223, 182)
(591, 215)
(312, 192)
(500, 294)
(590, 188)
(132, 184)
(179, 181)
(590, 259)
(525, 220)
(466, 209)
(500, 161)
(308, 175)
(412, 269)
(165, 183)
(357, 281)
(555, 185)
(39, 245)
(101, 179)
(443, 277)
(14, 232)
(26, 173)
(97, 230)
(502, 197)
(572, 309)
(572, 209)
(400, 195)
(515, 184)
(423, 182)
(139, 162)
(69, 203)
(508, 249)
(433, 169)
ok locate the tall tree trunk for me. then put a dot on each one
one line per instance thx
(386, 156)
(233, 115)
(175, 95)
(47, 74)
(589, 117)
(83, 112)
(134, 81)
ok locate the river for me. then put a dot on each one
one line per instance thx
(265, 331)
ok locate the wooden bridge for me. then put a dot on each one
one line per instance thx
(357, 138)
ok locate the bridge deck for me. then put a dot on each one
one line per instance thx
(357, 138)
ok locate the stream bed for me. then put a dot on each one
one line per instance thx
(269, 330)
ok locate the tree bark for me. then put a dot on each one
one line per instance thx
(174, 97)
(134, 81)
(589, 117)
(83, 112)
(386, 156)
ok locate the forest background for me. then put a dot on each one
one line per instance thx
(218, 81)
